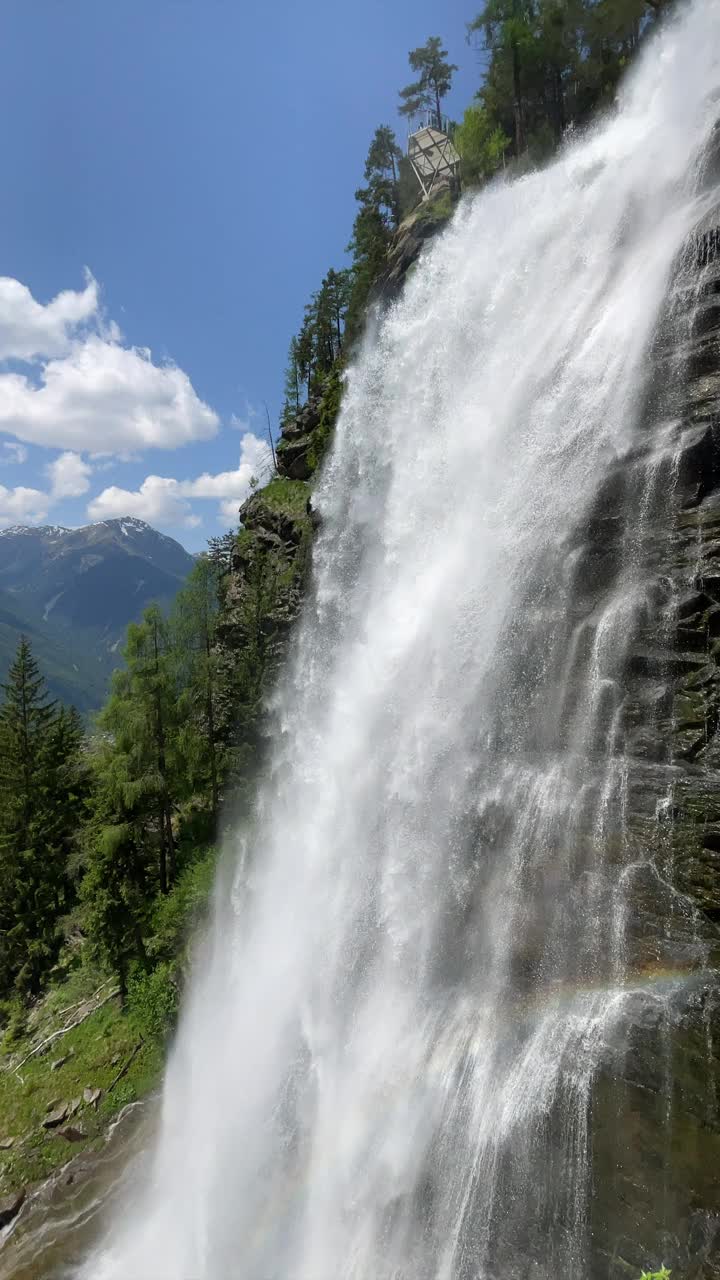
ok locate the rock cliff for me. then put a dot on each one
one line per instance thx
(654, 1108)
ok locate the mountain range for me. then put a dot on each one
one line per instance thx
(72, 592)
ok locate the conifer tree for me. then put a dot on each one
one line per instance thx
(194, 630)
(220, 551)
(42, 796)
(119, 880)
(141, 716)
(382, 172)
(293, 383)
(434, 80)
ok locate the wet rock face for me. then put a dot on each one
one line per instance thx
(654, 1193)
(10, 1206)
(295, 450)
(264, 589)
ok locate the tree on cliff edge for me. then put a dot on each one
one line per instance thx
(434, 80)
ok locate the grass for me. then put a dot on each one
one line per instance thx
(98, 1049)
(103, 1043)
(286, 496)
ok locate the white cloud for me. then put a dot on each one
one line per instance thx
(29, 329)
(69, 476)
(18, 453)
(255, 458)
(105, 398)
(85, 389)
(158, 500)
(22, 506)
(228, 512)
(162, 500)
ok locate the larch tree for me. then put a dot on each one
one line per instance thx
(194, 631)
(141, 717)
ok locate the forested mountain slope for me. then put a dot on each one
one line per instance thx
(73, 593)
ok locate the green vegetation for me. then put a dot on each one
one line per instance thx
(480, 143)
(662, 1274)
(551, 64)
(95, 1054)
(114, 1048)
(106, 862)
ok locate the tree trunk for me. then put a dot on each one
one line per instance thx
(211, 731)
(559, 105)
(517, 104)
(172, 867)
(163, 851)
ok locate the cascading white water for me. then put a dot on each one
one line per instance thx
(384, 1066)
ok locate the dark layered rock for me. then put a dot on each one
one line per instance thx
(264, 588)
(10, 1206)
(410, 239)
(655, 1117)
(295, 451)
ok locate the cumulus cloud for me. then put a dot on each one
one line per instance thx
(22, 506)
(255, 458)
(159, 501)
(69, 476)
(85, 389)
(106, 398)
(29, 329)
(162, 500)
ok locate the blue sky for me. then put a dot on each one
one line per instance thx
(198, 159)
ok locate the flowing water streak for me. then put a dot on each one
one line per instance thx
(384, 1068)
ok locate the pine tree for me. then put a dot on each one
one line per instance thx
(433, 83)
(42, 797)
(293, 383)
(220, 551)
(382, 171)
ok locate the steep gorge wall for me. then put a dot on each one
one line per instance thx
(654, 1109)
(655, 1120)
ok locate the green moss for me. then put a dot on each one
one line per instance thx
(439, 208)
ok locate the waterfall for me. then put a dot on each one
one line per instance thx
(420, 953)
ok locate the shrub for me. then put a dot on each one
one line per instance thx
(153, 1001)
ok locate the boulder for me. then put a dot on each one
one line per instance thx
(7, 1143)
(60, 1062)
(56, 1117)
(92, 1096)
(10, 1206)
(292, 458)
